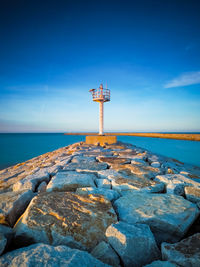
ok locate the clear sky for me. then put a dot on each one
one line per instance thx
(53, 52)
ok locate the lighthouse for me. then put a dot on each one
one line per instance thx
(101, 95)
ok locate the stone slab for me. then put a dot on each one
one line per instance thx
(41, 255)
(169, 216)
(65, 218)
(184, 253)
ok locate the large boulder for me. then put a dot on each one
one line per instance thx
(103, 183)
(83, 159)
(105, 253)
(30, 182)
(3, 242)
(124, 180)
(135, 183)
(192, 194)
(184, 253)
(88, 166)
(141, 171)
(44, 255)
(175, 183)
(169, 216)
(161, 264)
(135, 244)
(70, 181)
(65, 218)
(7, 233)
(12, 205)
(114, 160)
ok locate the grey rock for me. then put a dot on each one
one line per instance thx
(70, 181)
(65, 218)
(83, 159)
(138, 160)
(89, 166)
(122, 185)
(30, 182)
(184, 253)
(13, 204)
(153, 158)
(155, 164)
(108, 174)
(41, 255)
(161, 264)
(42, 187)
(192, 194)
(3, 242)
(7, 232)
(107, 193)
(169, 216)
(106, 254)
(175, 183)
(103, 183)
(135, 244)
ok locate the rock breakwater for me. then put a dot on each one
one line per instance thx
(111, 205)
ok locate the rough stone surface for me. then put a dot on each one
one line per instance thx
(184, 253)
(175, 183)
(92, 166)
(12, 205)
(103, 183)
(169, 216)
(66, 218)
(107, 193)
(106, 254)
(107, 174)
(135, 244)
(3, 242)
(30, 182)
(70, 181)
(192, 194)
(155, 164)
(141, 171)
(41, 255)
(72, 220)
(42, 187)
(7, 232)
(161, 264)
(83, 159)
(114, 160)
(121, 184)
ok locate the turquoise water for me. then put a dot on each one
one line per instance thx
(15, 148)
(183, 150)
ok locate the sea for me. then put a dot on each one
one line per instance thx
(19, 147)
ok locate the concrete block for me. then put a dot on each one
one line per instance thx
(100, 139)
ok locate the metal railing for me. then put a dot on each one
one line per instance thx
(101, 94)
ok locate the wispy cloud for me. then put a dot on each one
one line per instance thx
(185, 79)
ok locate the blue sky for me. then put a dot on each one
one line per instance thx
(53, 52)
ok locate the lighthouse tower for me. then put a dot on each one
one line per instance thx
(100, 95)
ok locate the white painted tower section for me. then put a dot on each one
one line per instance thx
(100, 118)
(101, 95)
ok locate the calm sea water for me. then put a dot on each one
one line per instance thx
(15, 148)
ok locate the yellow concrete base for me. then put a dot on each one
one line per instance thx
(100, 139)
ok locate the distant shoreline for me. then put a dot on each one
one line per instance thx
(191, 137)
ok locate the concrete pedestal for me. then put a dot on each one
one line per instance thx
(100, 139)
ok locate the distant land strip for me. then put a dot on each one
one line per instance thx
(192, 137)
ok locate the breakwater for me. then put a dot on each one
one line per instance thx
(89, 205)
(178, 136)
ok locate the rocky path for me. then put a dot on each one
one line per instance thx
(86, 205)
